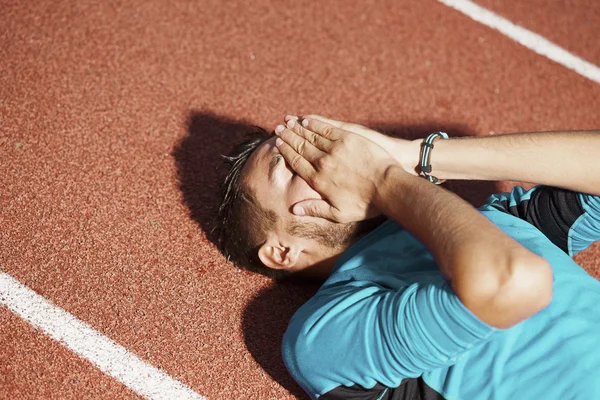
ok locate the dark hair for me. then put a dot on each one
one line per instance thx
(242, 224)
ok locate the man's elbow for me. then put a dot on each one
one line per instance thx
(524, 289)
(532, 282)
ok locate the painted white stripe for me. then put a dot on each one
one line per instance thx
(527, 38)
(110, 357)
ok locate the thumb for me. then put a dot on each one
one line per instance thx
(314, 208)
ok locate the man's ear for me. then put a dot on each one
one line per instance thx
(278, 256)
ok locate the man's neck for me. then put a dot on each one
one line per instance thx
(322, 268)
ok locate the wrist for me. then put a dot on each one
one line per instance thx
(406, 153)
(393, 178)
(425, 159)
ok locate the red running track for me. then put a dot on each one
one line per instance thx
(112, 117)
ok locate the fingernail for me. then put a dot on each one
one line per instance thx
(291, 123)
(278, 142)
(299, 211)
(279, 129)
(304, 122)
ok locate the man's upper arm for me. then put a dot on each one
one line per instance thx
(378, 336)
(571, 220)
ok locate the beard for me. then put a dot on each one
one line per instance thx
(334, 235)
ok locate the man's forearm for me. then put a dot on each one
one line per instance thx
(497, 278)
(564, 159)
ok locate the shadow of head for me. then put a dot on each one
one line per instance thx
(199, 162)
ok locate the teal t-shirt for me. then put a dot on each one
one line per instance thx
(386, 324)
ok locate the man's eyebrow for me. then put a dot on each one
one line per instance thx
(275, 159)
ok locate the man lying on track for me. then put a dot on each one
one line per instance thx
(425, 296)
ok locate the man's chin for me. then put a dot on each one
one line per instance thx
(334, 235)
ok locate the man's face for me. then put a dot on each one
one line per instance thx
(277, 188)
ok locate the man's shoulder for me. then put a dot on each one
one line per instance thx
(308, 342)
(329, 335)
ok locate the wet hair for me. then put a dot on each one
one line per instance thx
(242, 223)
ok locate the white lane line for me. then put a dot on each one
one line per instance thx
(110, 357)
(531, 40)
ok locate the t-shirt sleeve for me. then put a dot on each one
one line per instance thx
(353, 335)
(571, 220)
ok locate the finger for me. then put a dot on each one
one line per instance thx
(354, 128)
(314, 208)
(322, 128)
(318, 141)
(299, 164)
(299, 144)
(337, 124)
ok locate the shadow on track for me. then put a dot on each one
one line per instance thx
(198, 160)
(199, 163)
(264, 323)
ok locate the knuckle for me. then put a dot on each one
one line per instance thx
(328, 131)
(301, 130)
(336, 149)
(323, 163)
(318, 183)
(318, 141)
(295, 162)
(309, 136)
(312, 210)
(301, 147)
